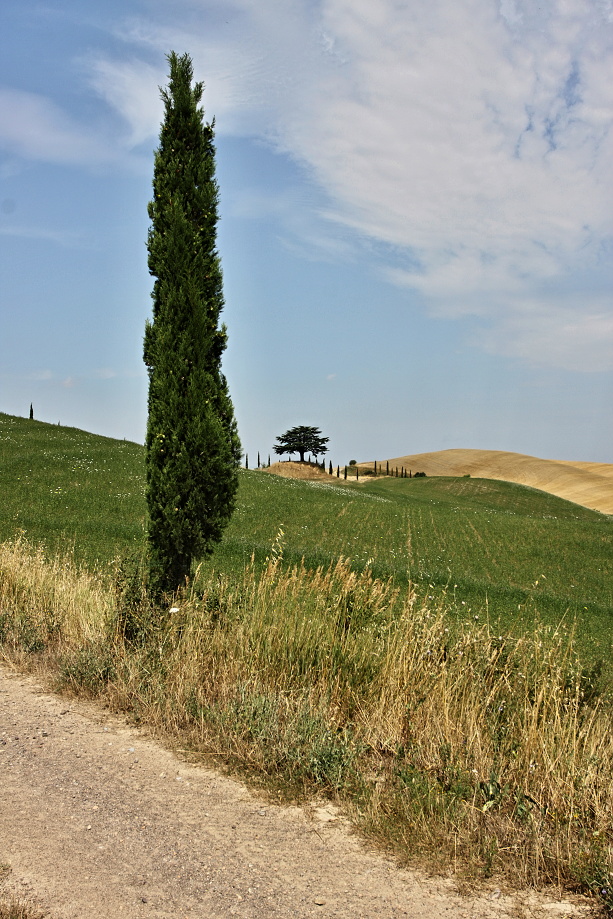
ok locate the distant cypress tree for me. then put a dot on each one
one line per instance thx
(387, 467)
(31, 412)
(192, 446)
(259, 464)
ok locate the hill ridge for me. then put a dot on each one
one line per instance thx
(584, 483)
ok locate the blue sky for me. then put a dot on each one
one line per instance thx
(416, 216)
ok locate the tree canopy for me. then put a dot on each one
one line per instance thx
(192, 445)
(301, 439)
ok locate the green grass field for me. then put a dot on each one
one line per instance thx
(434, 654)
(497, 550)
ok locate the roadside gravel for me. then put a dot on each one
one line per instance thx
(98, 821)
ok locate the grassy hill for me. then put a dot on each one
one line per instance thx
(589, 484)
(423, 682)
(61, 485)
(494, 549)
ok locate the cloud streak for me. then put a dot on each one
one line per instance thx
(33, 127)
(68, 240)
(473, 139)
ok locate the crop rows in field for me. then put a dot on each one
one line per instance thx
(491, 548)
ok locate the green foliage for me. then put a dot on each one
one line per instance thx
(192, 447)
(88, 668)
(592, 872)
(296, 744)
(134, 616)
(301, 439)
(26, 630)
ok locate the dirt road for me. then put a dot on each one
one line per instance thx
(97, 821)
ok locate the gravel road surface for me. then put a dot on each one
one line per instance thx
(98, 821)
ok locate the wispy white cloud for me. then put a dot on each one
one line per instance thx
(32, 126)
(474, 139)
(64, 238)
(129, 87)
(560, 334)
(37, 376)
(75, 378)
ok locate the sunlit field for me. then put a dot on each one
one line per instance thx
(433, 654)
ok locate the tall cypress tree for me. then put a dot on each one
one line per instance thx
(192, 447)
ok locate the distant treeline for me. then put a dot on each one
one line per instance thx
(351, 470)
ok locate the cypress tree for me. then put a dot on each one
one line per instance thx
(192, 446)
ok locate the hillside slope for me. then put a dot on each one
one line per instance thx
(589, 484)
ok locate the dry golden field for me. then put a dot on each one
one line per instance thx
(588, 484)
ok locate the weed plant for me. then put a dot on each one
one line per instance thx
(448, 741)
(18, 909)
(12, 907)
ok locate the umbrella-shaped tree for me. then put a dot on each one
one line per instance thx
(302, 439)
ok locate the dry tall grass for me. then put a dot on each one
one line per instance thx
(448, 742)
(17, 909)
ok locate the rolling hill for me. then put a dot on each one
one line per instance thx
(478, 545)
(588, 484)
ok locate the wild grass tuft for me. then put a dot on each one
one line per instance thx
(448, 741)
(18, 909)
